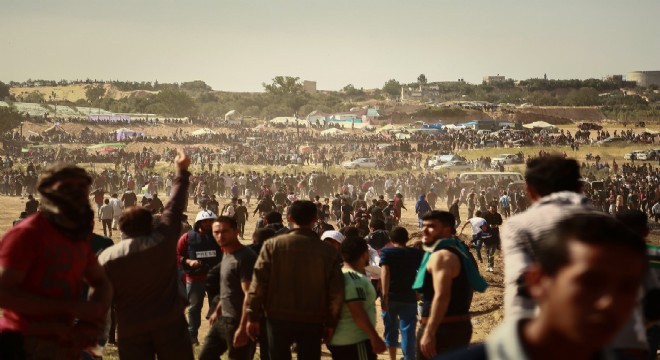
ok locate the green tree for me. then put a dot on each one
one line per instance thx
(175, 102)
(583, 97)
(94, 93)
(197, 85)
(350, 90)
(4, 91)
(421, 79)
(392, 88)
(10, 119)
(35, 97)
(284, 85)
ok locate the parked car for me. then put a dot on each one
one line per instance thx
(589, 126)
(506, 159)
(610, 141)
(454, 165)
(636, 153)
(360, 163)
(444, 158)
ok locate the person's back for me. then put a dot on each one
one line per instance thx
(148, 303)
(298, 286)
(552, 182)
(304, 265)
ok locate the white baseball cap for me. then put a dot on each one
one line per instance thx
(334, 235)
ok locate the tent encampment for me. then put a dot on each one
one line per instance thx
(125, 133)
(332, 132)
(538, 124)
(203, 131)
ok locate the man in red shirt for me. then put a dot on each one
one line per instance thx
(43, 262)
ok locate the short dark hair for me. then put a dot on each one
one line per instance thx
(636, 220)
(377, 224)
(551, 174)
(136, 221)
(399, 235)
(303, 212)
(444, 217)
(273, 217)
(348, 231)
(261, 235)
(227, 220)
(591, 228)
(352, 248)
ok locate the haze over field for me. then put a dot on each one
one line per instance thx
(235, 45)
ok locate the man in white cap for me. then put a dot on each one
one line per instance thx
(334, 238)
(197, 252)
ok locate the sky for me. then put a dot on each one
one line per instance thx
(236, 45)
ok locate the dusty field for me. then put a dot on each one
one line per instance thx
(485, 307)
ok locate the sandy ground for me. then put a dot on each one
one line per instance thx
(486, 307)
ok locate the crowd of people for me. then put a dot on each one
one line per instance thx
(580, 281)
(558, 237)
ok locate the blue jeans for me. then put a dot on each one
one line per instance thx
(401, 316)
(195, 291)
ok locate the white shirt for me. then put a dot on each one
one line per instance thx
(477, 223)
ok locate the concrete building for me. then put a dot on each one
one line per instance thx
(309, 86)
(644, 78)
(493, 79)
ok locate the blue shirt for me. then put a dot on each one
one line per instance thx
(403, 264)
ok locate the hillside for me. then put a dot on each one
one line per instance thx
(74, 92)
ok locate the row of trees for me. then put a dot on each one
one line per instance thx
(285, 96)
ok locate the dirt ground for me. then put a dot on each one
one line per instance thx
(486, 307)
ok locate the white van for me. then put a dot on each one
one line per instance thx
(472, 178)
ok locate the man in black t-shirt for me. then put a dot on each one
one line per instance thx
(227, 333)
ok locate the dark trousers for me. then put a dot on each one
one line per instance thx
(490, 254)
(220, 339)
(449, 337)
(264, 349)
(169, 342)
(241, 229)
(11, 346)
(476, 245)
(107, 224)
(359, 351)
(282, 334)
(112, 338)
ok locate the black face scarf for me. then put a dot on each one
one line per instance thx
(69, 211)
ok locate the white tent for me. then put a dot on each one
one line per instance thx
(333, 131)
(389, 127)
(538, 124)
(125, 133)
(402, 136)
(203, 131)
(233, 115)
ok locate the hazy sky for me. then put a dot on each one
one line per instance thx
(237, 45)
